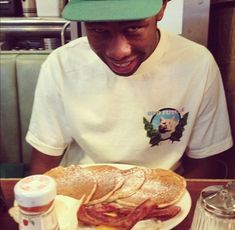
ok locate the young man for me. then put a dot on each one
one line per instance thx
(128, 93)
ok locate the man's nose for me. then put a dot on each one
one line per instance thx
(118, 48)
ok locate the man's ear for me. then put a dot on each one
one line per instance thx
(160, 14)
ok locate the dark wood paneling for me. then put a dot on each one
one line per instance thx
(221, 43)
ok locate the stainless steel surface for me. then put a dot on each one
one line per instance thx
(32, 25)
(62, 34)
(27, 33)
(32, 20)
(51, 43)
(29, 8)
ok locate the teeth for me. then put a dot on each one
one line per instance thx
(122, 64)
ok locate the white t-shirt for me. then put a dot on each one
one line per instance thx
(173, 104)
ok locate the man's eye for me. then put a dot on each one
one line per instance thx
(134, 29)
(98, 30)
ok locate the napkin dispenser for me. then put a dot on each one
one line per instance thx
(215, 209)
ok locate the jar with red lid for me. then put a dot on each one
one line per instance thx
(35, 196)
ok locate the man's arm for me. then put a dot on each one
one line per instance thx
(210, 167)
(40, 162)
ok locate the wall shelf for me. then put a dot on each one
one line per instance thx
(31, 25)
(18, 32)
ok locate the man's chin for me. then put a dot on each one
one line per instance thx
(123, 74)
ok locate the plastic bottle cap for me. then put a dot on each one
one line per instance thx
(36, 190)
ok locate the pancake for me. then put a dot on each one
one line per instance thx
(74, 181)
(109, 179)
(59, 171)
(133, 180)
(163, 186)
(131, 187)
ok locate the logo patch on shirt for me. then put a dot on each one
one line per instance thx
(166, 124)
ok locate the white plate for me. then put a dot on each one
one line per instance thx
(66, 209)
(184, 203)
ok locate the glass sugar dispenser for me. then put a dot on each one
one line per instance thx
(35, 196)
(215, 208)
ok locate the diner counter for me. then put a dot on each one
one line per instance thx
(194, 187)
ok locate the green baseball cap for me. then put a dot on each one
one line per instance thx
(110, 10)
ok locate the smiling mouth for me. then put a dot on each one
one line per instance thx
(123, 68)
(121, 65)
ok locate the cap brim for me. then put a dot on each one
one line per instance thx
(103, 10)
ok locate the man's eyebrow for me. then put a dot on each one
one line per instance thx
(95, 23)
(116, 22)
(133, 22)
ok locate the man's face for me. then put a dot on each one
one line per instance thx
(123, 45)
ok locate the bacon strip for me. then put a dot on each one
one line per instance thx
(90, 216)
(164, 213)
(123, 218)
(104, 210)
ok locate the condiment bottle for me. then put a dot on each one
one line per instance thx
(35, 197)
(215, 209)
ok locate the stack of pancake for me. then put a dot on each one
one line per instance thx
(130, 187)
(120, 199)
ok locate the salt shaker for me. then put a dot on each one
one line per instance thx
(35, 197)
(215, 209)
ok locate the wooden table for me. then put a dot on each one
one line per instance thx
(194, 186)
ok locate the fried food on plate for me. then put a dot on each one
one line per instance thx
(74, 181)
(109, 179)
(163, 186)
(115, 198)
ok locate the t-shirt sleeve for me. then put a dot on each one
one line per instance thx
(211, 132)
(48, 130)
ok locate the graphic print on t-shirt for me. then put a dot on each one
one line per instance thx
(166, 124)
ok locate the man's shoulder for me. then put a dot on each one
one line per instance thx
(74, 47)
(180, 46)
(80, 42)
(185, 43)
(74, 54)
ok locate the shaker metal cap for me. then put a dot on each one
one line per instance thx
(220, 200)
